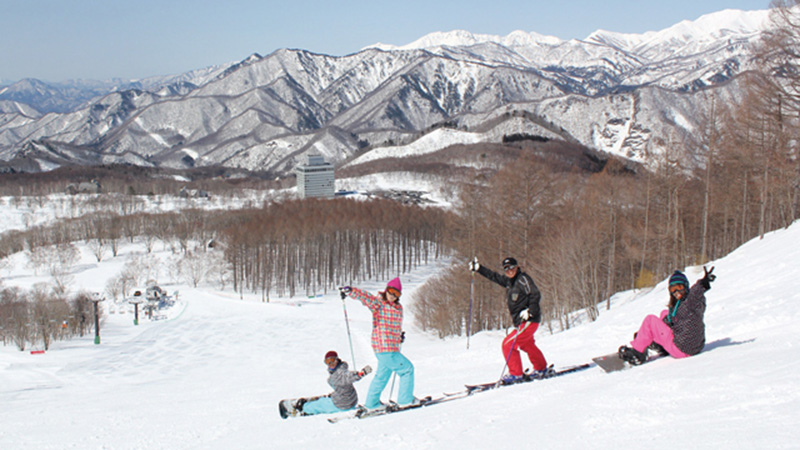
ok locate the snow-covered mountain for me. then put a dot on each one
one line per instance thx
(613, 92)
(708, 28)
(66, 96)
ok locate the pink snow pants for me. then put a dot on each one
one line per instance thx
(527, 344)
(654, 329)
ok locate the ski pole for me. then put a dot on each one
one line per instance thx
(394, 374)
(513, 344)
(347, 322)
(471, 296)
(391, 389)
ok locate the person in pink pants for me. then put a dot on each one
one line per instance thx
(679, 330)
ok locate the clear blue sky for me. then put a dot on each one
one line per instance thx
(56, 40)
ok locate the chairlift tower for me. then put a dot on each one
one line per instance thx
(136, 301)
(96, 298)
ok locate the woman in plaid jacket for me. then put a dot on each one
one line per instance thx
(387, 334)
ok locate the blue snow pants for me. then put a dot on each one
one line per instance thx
(389, 362)
(322, 405)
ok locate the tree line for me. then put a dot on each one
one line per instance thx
(39, 317)
(312, 246)
(283, 248)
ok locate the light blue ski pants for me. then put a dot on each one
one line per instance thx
(322, 405)
(389, 362)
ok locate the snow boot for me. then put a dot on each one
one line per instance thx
(542, 374)
(511, 379)
(632, 356)
(657, 349)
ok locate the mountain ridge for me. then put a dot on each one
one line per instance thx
(263, 112)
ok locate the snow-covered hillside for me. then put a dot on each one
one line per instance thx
(19, 213)
(211, 374)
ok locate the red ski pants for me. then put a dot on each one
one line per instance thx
(526, 343)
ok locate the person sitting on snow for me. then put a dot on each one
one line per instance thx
(344, 396)
(680, 330)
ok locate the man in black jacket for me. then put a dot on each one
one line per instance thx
(522, 297)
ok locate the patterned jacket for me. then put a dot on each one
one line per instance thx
(344, 394)
(387, 320)
(688, 329)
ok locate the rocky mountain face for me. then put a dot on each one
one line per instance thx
(622, 94)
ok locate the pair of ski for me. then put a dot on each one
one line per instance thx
(392, 408)
(609, 363)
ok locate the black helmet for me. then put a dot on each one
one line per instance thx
(509, 263)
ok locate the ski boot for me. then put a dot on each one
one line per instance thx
(657, 349)
(511, 379)
(631, 356)
(542, 374)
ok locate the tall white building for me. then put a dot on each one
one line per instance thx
(315, 178)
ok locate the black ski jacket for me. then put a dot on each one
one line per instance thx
(521, 294)
(686, 320)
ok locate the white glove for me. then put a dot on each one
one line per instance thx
(365, 371)
(473, 265)
(524, 314)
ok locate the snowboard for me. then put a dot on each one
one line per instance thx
(293, 407)
(613, 363)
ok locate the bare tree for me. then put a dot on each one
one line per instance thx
(60, 267)
(97, 247)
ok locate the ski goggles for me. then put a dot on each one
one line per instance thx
(674, 289)
(393, 291)
(330, 360)
(507, 268)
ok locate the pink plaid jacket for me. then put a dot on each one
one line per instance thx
(387, 320)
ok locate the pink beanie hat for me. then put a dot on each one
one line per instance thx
(395, 283)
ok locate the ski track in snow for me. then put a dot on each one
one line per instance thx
(211, 374)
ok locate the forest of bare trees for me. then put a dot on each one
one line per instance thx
(284, 248)
(40, 316)
(315, 245)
